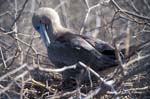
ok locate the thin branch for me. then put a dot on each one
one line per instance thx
(4, 62)
(21, 11)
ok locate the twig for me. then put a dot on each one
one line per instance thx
(108, 85)
(87, 14)
(19, 13)
(134, 71)
(119, 58)
(57, 70)
(12, 72)
(130, 13)
(136, 60)
(4, 62)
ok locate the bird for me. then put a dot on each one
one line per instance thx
(65, 47)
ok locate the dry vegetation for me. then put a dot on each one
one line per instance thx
(26, 72)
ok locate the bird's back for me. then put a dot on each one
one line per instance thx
(62, 55)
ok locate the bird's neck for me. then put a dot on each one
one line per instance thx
(58, 30)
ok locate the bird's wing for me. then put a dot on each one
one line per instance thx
(103, 47)
(97, 47)
(82, 44)
(76, 41)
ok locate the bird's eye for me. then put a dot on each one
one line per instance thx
(37, 27)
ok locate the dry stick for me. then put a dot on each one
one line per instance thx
(22, 87)
(92, 93)
(87, 14)
(6, 88)
(6, 13)
(137, 89)
(63, 9)
(134, 71)
(105, 25)
(59, 96)
(129, 63)
(83, 27)
(138, 48)
(135, 60)
(119, 58)
(98, 24)
(107, 84)
(89, 75)
(133, 7)
(25, 44)
(134, 91)
(147, 4)
(16, 18)
(17, 39)
(130, 13)
(16, 31)
(132, 19)
(61, 3)
(2, 56)
(11, 4)
(87, 4)
(13, 72)
(13, 57)
(30, 45)
(131, 73)
(32, 6)
(19, 13)
(10, 57)
(38, 83)
(58, 70)
(3, 30)
(16, 78)
(127, 39)
(120, 10)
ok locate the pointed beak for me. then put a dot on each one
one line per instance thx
(44, 34)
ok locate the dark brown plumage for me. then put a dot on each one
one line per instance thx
(67, 48)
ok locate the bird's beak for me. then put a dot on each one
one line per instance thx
(44, 34)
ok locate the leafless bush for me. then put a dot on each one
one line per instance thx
(26, 72)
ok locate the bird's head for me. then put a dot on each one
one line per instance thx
(46, 21)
